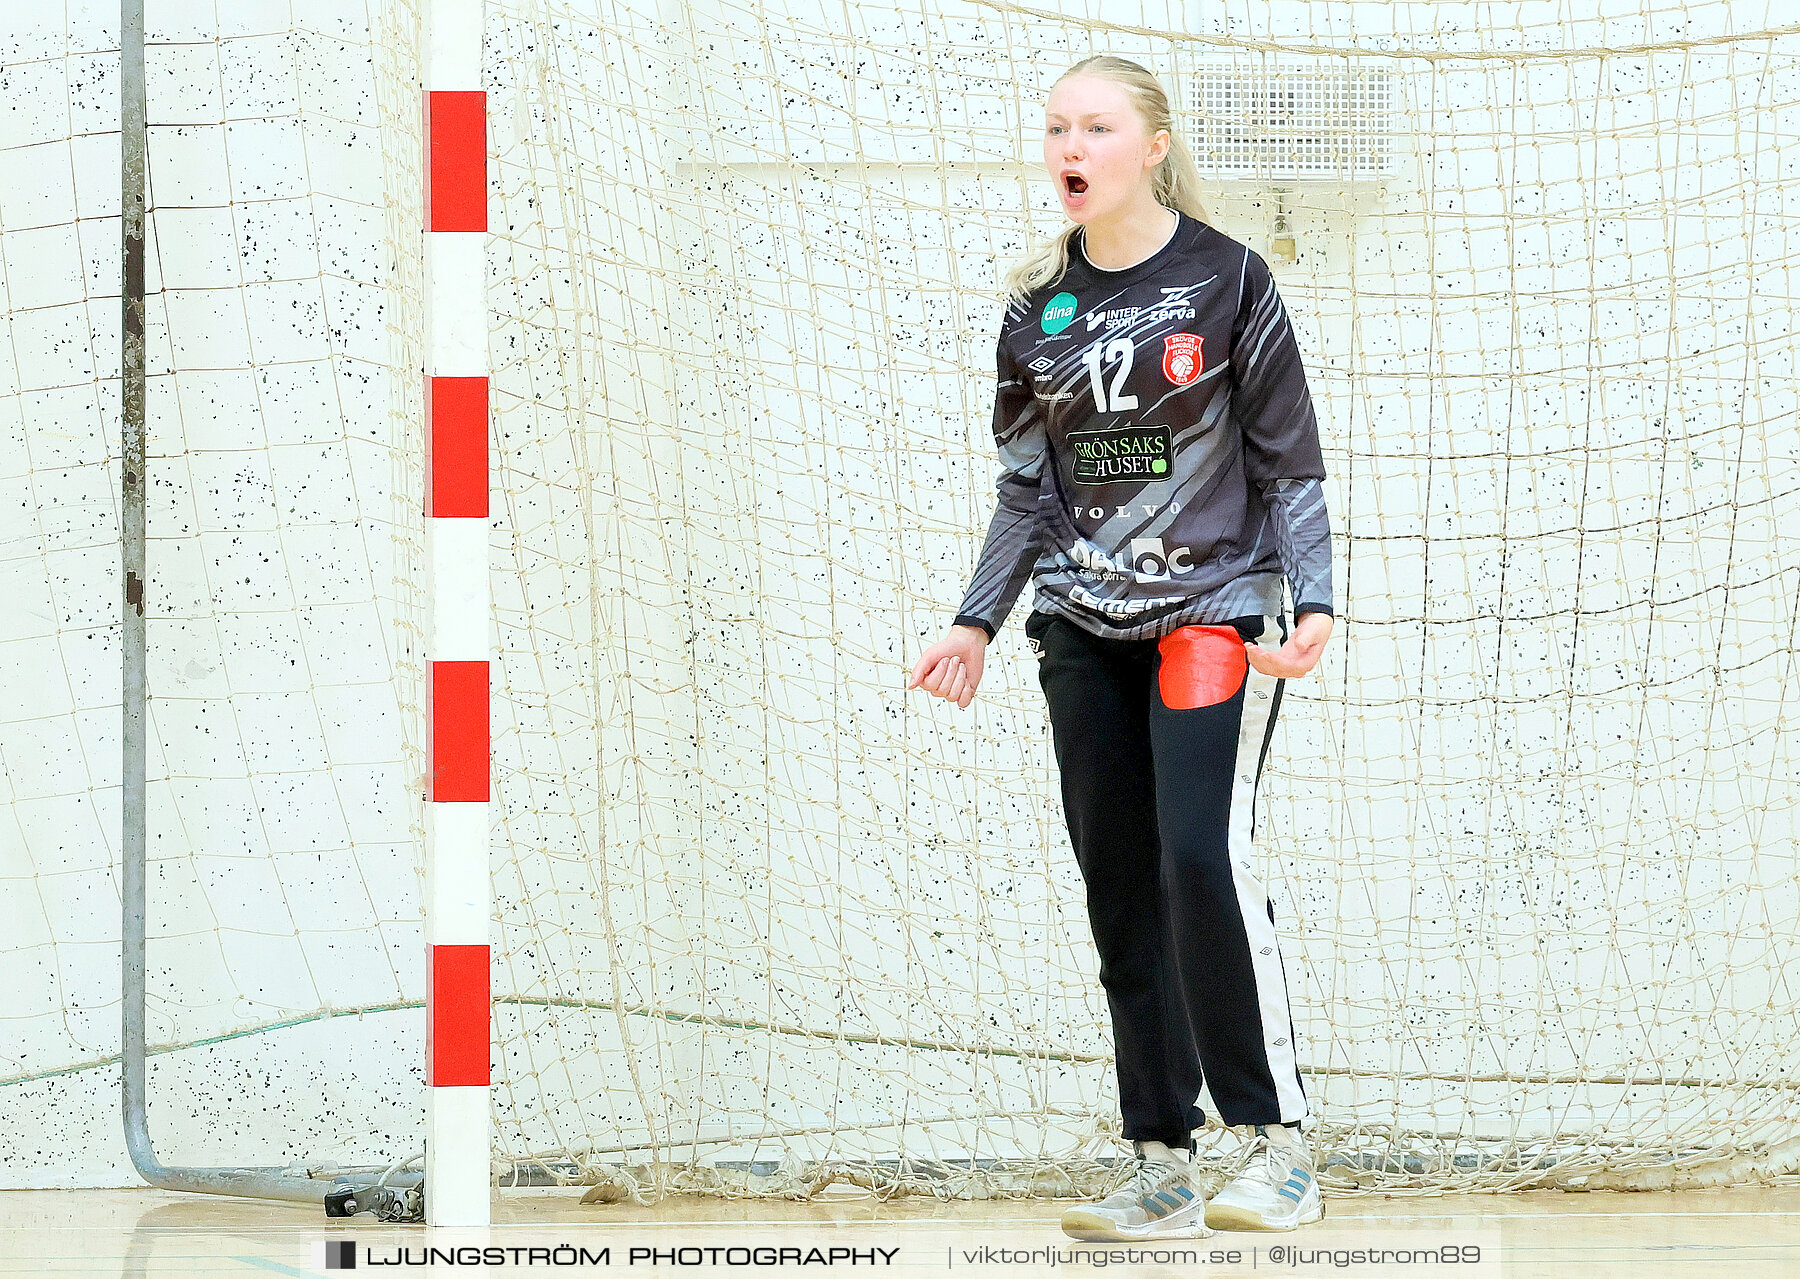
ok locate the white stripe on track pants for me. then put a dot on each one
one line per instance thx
(1160, 746)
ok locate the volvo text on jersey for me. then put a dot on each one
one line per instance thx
(1159, 454)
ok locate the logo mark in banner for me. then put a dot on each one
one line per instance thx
(334, 1254)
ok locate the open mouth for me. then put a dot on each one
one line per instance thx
(1076, 184)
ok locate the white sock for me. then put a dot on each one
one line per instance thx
(1284, 1135)
(1159, 1153)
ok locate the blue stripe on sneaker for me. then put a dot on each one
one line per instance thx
(1288, 1192)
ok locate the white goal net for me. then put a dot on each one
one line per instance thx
(765, 921)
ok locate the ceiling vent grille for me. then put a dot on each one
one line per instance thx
(1293, 123)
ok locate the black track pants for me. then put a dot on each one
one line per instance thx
(1160, 745)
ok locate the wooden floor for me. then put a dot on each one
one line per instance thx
(1751, 1233)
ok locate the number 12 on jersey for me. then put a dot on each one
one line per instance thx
(1120, 349)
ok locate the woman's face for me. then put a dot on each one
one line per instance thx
(1096, 147)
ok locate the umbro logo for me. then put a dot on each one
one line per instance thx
(1041, 364)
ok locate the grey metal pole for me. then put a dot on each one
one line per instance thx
(262, 1183)
(132, 146)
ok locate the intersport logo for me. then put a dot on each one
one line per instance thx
(1112, 319)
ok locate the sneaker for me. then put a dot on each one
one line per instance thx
(1161, 1201)
(1275, 1190)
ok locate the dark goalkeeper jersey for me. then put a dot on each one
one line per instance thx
(1159, 457)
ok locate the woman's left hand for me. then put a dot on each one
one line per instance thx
(1301, 652)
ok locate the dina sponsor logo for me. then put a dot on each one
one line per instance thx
(1059, 313)
(1115, 454)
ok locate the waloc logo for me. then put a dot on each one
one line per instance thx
(1147, 559)
(334, 1254)
(1059, 313)
(1121, 453)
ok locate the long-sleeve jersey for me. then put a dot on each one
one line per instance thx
(1159, 455)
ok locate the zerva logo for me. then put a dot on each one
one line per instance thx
(1059, 313)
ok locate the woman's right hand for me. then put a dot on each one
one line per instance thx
(951, 668)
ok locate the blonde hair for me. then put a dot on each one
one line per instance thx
(1175, 182)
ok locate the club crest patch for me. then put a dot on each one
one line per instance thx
(1181, 358)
